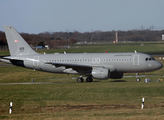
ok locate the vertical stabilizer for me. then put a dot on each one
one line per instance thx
(17, 45)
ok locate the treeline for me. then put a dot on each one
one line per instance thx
(55, 39)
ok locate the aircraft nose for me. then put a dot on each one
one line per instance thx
(158, 65)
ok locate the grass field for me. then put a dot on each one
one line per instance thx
(148, 47)
(62, 98)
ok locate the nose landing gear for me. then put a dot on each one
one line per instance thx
(137, 77)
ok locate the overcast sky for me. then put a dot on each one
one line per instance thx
(36, 16)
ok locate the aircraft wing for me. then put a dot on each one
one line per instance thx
(67, 65)
(83, 69)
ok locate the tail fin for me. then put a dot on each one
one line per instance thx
(17, 45)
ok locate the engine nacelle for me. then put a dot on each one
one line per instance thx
(116, 75)
(100, 73)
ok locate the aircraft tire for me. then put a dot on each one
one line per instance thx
(89, 79)
(138, 79)
(80, 79)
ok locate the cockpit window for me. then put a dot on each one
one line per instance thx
(152, 58)
(148, 59)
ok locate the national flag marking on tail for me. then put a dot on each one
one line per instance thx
(16, 41)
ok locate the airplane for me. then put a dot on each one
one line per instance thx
(92, 65)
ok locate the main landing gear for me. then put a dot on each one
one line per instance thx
(80, 79)
(88, 79)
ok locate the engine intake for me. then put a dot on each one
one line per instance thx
(100, 73)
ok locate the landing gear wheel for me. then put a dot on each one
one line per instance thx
(138, 79)
(80, 79)
(89, 79)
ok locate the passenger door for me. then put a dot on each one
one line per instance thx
(136, 59)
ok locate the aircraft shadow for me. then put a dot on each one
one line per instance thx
(119, 81)
(111, 81)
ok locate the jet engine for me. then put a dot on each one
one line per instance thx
(100, 73)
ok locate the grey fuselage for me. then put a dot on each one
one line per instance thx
(115, 62)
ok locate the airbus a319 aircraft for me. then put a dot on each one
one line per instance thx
(92, 65)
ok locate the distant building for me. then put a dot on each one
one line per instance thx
(47, 46)
(38, 47)
(163, 37)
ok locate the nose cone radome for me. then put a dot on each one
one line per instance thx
(158, 65)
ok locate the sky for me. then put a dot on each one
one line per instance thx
(37, 16)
